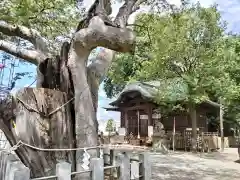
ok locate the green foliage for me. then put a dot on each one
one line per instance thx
(232, 95)
(125, 66)
(110, 127)
(187, 44)
(51, 17)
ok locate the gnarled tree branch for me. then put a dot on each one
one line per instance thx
(30, 35)
(31, 56)
(124, 12)
(137, 5)
(99, 67)
(98, 34)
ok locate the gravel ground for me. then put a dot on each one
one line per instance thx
(202, 166)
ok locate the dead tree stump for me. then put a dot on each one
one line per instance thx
(43, 120)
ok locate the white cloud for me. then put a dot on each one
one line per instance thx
(205, 3)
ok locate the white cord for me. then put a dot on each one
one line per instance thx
(20, 143)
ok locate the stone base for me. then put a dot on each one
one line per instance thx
(117, 139)
(159, 144)
(135, 142)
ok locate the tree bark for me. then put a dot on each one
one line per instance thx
(193, 116)
(41, 123)
(221, 114)
(29, 55)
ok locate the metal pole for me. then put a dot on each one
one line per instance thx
(221, 126)
(173, 142)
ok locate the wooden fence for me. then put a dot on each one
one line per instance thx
(122, 165)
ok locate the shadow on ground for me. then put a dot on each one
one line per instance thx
(189, 166)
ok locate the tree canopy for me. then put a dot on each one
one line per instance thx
(51, 18)
(188, 44)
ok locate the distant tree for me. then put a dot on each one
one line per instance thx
(110, 127)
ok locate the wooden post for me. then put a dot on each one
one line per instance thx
(145, 166)
(124, 163)
(63, 171)
(221, 126)
(150, 119)
(126, 121)
(97, 169)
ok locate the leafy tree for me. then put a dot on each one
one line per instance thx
(232, 63)
(189, 45)
(110, 127)
(45, 33)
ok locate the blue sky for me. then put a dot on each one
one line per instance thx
(229, 8)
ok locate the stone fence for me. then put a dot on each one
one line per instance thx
(111, 163)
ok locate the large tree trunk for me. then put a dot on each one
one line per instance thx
(86, 126)
(41, 122)
(64, 78)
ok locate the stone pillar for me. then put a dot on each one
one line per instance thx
(63, 171)
(150, 131)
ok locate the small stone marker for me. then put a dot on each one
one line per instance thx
(124, 163)
(145, 166)
(134, 170)
(63, 171)
(96, 166)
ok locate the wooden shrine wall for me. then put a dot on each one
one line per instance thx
(183, 121)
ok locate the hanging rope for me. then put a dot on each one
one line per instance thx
(129, 147)
(41, 113)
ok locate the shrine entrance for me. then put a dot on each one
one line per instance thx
(137, 123)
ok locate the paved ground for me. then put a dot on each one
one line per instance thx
(189, 166)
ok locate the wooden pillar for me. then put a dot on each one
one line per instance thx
(122, 119)
(126, 120)
(150, 119)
